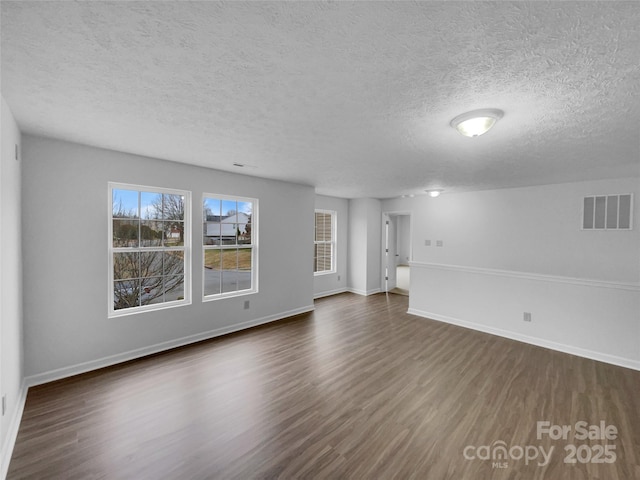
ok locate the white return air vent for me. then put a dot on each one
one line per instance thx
(607, 212)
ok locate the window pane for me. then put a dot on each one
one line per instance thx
(151, 205)
(230, 259)
(326, 259)
(211, 233)
(173, 263)
(244, 280)
(244, 207)
(150, 264)
(322, 257)
(150, 233)
(228, 231)
(244, 269)
(323, 227)
(173, 234)
(212, 272)
(229, 208)
(212, 259)
(173, 288)
(229, 270)
(126, 294)
(244, 233)
(248, 230)
(229, 281)
(244, 259)
(212, 282)
(151, 291)
(126, 265)
(125, 233)
(172, 207)
(212, 209)
(125, 204)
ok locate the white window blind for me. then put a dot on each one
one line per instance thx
(324, 242)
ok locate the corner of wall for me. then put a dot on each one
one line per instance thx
(365, 217)
(12, 387)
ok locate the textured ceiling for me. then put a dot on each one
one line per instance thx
(353, 98)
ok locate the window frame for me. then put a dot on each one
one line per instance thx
(333, 242)
(253, 246)
(185, 248)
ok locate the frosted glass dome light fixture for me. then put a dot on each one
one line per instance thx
(435, 192)
(476, 122)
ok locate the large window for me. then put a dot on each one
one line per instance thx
(324, 245)
(149, 248)
(229, 246)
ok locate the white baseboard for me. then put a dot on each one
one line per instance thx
(329, 293)
(540, 342)
(12, 433)
(365, 293)
(84, 367)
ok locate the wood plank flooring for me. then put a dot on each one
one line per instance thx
(358, 389)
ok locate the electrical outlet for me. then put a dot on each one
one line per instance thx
(427, 243)
(338, 277)
(4, 404)
(247, 304)
(527, 317)
(439, 243)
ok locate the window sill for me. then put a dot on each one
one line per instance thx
(222, 296)
(151, 308)
(328, 272)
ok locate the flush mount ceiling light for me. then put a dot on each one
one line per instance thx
(477, 122)
(434, 193)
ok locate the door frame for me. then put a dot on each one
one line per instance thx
(383, 243)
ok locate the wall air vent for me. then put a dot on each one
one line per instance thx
(607, 212)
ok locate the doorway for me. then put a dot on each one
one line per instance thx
(396, 252)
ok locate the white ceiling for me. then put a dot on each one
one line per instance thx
(354, 98)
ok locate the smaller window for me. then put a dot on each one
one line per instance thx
(324, 244)
(607, 212)
(229, 246)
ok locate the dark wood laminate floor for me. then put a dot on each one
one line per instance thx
(357, 389)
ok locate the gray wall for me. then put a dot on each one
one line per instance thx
(364, 257)
(65, 258)
(404, 239)
(328, 284)
(530, 229)
(510, 251)
(11, 354)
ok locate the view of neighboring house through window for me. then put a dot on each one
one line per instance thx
(229, 246)
(148, 248)
(324, 244)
